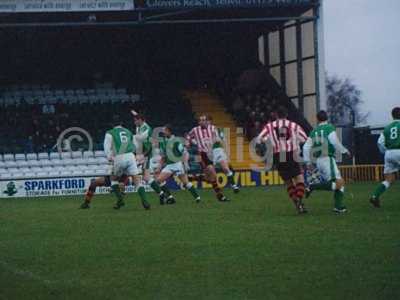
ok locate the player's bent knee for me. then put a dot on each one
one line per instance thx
(339, 183)
(390, 178)
(188, 185)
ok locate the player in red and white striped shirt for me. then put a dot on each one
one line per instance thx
(285, 137)
(204, 136)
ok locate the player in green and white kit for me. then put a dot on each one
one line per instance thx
(172, 151)
(220, 157)
(144, 149)
(321, 147)
(119, 147)
(389, 144)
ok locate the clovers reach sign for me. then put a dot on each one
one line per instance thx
(26, 6)
(224, 3)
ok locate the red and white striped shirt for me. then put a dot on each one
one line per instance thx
(283, 135)
(204, 138)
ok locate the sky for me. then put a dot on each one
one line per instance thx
(362, 42)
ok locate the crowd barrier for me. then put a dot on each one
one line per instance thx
(362, 173)
(247, 178)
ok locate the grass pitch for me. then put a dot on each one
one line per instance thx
(254, 247)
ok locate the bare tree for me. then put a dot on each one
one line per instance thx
(344, 101)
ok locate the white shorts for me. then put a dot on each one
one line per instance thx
(328, 168)
(154, 164)
(392, 161)
(175, 168)
(219, 155)
(125, 164)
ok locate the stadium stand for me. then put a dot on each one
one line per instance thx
(254, 106)
(30, 132)
(45, 94)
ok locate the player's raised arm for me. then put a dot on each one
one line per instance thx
(108, 146)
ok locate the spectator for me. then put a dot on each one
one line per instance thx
(48, 108)
(237, 105)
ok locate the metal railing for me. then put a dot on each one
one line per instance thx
(361, 173)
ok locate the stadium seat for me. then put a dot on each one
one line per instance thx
(87, 172)
(78, 173)
(45, 162)
(88, 154)
(12, 170)
(29, 175)
(31, 156)
(8, 157)
(22, 163)
(24, 170)
(34, 163)
(79, 161)
(68, 162)
(3, 171)
(54, 155)
(41, 174)
(99, 153)
(37, 169)
(2, 164)
(5, 176)
(100, 172)
(11, 164)
(70, 168)
(92, 167)
(47, 168)
(18, 175)
(82, 167)
(65, 173)
(57, 162)
(53, 173)
(76, 154)
(43, 155)
(93, 99)
(59, 93)
(101, 160)
(91, 161)
(65, 155)
(20, 156)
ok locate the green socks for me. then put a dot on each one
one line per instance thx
(194, 193)
(115, 188)
(382, 187)
(329, 186)
(160, 189)
(142, 195)
(231, 179)
(192, 190)
(165, 190)
(339, 195)
(156, 187)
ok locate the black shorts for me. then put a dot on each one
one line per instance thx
(287, 168)
(204, 160)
